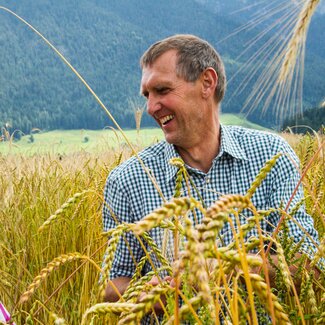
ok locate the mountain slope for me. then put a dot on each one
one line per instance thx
(104, 41)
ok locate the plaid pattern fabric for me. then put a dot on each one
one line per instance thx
(130, 195)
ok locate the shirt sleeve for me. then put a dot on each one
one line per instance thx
(116, 210)
(286, 178)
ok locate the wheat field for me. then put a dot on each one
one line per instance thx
(52, 248)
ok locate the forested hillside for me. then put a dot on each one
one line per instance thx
(312, 119)
(104, 40)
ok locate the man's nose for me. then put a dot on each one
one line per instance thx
(153, 105)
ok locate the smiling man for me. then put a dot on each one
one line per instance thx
(185, 103)
(183, 80)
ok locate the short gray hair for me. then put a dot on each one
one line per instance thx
(194, 55)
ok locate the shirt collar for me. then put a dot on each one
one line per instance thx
(170, 152)
(229, 145)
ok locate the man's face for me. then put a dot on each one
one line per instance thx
(176, 105)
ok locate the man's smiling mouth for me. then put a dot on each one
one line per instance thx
(164, 120)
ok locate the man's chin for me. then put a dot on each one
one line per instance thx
(169, 139)
(173, 141)
(174, 138)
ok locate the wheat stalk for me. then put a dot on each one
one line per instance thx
(319, 254)
(191, 305)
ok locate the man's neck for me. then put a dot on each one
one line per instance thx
(201, 155)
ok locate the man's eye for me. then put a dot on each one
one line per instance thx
(163, 90)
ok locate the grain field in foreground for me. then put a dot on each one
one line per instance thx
(52, 248)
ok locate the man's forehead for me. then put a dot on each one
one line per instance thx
(164, 62)
(163, 69)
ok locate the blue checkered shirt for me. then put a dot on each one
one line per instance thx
(130, 194)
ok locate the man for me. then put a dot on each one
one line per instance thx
(183, 80)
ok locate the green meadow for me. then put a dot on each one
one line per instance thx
(67, 141)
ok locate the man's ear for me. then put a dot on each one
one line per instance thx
(209, 80)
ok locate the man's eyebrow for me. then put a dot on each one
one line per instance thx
(156, 86)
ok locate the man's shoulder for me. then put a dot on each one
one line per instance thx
(242, 132)
(252, 139)
(132, 167)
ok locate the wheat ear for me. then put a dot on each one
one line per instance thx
(109, 254)
(179, 163)
(176, 207)
(321, 318)
(133, 291)
(107, 308)
(307, 294)
(195, 252)
(234, 257)
(59, 211)
(137, 273)
(144, 306)
(262, 174)
(226, 203)
(283, 266)
(312, 302)
(157, 252)
(58, 261)
(217, 215)
(297, 40)
(228, 258)
(260, 287)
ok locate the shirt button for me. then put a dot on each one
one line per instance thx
(207, 180)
